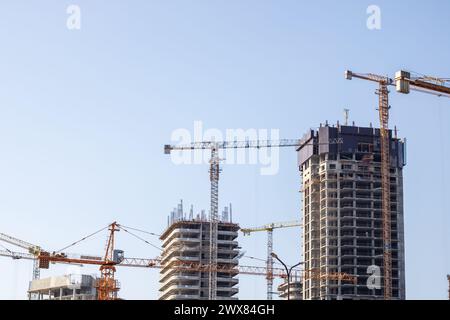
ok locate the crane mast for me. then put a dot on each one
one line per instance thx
(214, 172)
(269, 262)
(107, 286)
(383, 106)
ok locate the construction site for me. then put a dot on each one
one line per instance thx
(351, 226)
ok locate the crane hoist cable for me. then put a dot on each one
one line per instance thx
(122, 228)
(84, 238)
(138, 237)
(143, 231)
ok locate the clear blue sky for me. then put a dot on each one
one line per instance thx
(84, 116)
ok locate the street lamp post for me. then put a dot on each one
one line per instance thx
(288, 272)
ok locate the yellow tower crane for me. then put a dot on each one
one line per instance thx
(269, 228)
(403, 82)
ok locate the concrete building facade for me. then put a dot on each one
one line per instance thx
(342, 212)
(66, 287)
(186, 241)
(295, 290)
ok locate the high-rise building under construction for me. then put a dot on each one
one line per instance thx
(342, 212)
(186, 243)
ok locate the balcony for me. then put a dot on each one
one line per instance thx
(177, 296)
(177, 280)
(181, 239)
(177, 231)
(227, 290)
(191, 290)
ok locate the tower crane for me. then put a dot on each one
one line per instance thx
(107, 286)
(403, 82)
(214, 172)
(155, 263)
(33, 251)
(269, 264)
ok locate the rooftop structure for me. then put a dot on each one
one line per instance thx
(186, 240)
(66, 287)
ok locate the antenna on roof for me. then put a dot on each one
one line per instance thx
(191, 213)
(346, 111)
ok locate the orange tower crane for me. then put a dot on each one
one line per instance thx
(403, 82)
(107, 285)
(155, 263)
